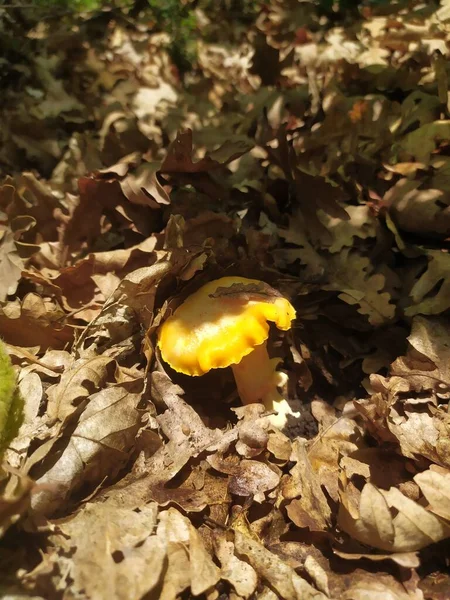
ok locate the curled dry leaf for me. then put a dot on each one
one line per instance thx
(253, 478)
(435, 486)
(34, 322)
(422, 211)
(309, 507)
(238, 573)
(280, 576)
(388, 520)
(338, 439)
(15, 495)
(11, 264)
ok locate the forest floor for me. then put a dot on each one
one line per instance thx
(308, 152)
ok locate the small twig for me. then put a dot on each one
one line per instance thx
(36, 361)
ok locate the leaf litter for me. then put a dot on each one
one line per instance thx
(307, 151)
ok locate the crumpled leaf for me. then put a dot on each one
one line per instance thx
(422, 211)
(15, 495)
(311, 510)
(34, 322)
(253, 478)
(390, 521)
(11, 264)
(435, 486)
(187, 438)
(274, 571)
(426, 365)
(237, 572)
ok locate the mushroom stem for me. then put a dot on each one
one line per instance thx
(257, 380)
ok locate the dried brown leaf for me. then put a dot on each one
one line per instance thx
(253, 478)
(15, 495)
(407, 528)
(97, 449)
(430, 294)
(179, 157)
(237, 572)
(112, 532)
(352, 275)
(280, 576)
(84, 377)
(435, 486)
(311, 510)
(34, 322)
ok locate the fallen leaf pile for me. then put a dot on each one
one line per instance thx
(304, 150)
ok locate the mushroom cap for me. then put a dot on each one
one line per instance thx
(221, 323)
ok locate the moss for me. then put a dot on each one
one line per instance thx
(11, 402)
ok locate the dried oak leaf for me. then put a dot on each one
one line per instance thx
(308, 507)
(315, 193)
(426, 364)
(83, 377)
(313, 263)
(340, 438)
(431, 293)
(410, 560)
(362, 584)
(394, 414)
(14, 253)
(389, 520)
(11, 264)
(422, 211)
(360, 223)
(421, 429)
(97, 449)
(25, 195)
(180, 151)
(94, 566)
(187, 438)
(131, 306)
(189, 563)
(34, 322)
(352, 275)
(99, 199)
(141, 186)
(271, 569)
(435, 486)
(253, 478)
(238, 573)
(422, 142)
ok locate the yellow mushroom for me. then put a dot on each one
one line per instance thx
(226, 323)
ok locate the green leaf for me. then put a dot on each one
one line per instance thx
(11, 404)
